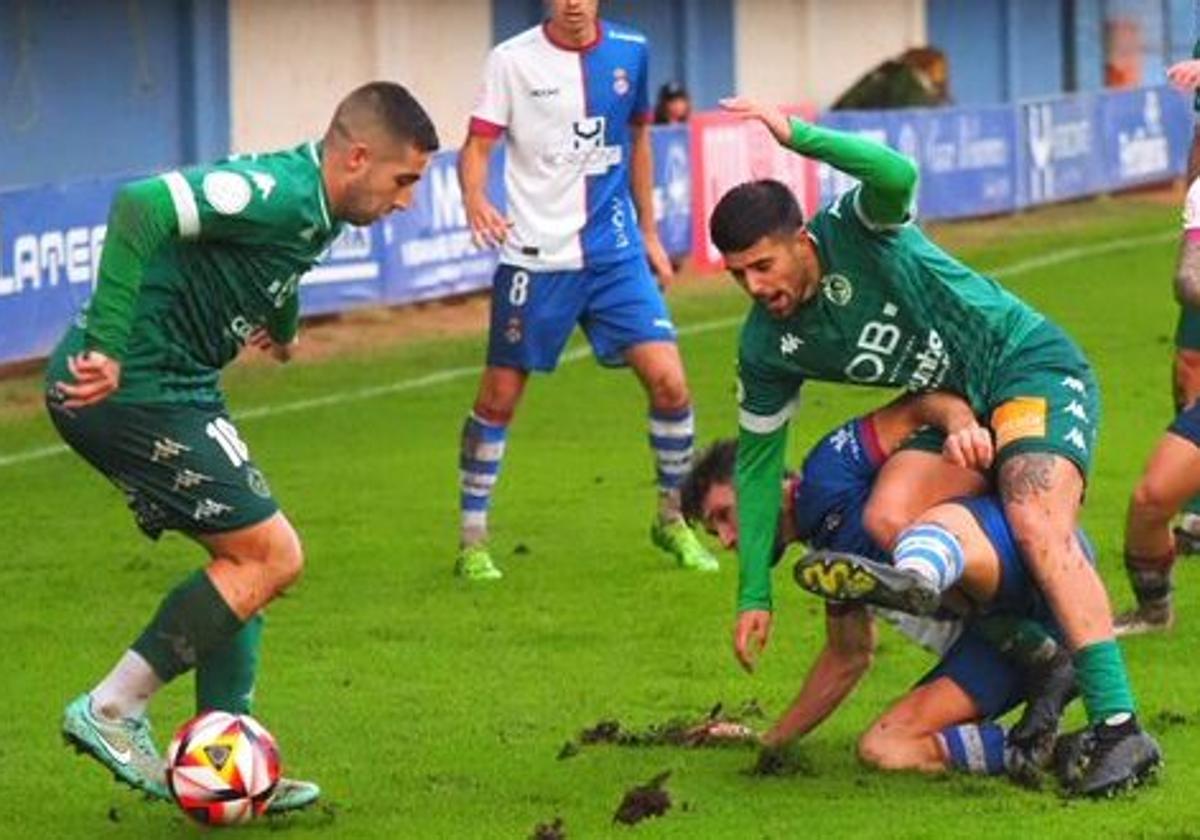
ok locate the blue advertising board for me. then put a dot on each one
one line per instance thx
(1060, 150)
(1144, 134)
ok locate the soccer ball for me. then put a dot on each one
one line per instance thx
(222, 768)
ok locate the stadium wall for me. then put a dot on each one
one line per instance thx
(435, 47)
(109, 86)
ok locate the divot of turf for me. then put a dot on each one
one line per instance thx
(554, 830)
(644, 801)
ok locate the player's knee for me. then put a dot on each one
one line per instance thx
(876, 748)
(884, 522)
(668, 390)
(286, 558)
(1150, 501)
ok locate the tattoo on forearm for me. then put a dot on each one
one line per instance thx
(1026, 476)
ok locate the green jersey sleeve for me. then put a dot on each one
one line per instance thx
(889, 179)
(284, 323)
(767, 397)
(141, 219)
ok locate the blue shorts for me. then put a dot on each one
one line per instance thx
(980, 670)
(988, 677)
(533, 313)
(1187, 423)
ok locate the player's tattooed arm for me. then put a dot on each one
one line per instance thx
(1025, 477)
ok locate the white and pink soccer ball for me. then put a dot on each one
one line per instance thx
(222, 768)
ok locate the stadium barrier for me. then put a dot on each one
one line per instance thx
(974, 161)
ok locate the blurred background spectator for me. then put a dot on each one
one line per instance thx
(674, 105)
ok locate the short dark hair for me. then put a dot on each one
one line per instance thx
(392, 108)
(752, 210)
(714, 466)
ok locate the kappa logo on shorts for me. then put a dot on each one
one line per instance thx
(1074, 384)
(186, 479)
(1076, 439)
(1019, 418)
(165, 449)
(1076, 410)
(208, 509)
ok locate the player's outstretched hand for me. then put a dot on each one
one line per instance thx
(970, 447)
(750, 636)
(488, 227)
(96, 376)
(660, 263)
(262, 340)
(1185, 74)
(774, 119)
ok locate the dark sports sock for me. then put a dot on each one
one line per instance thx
(191, 621)
(1150, 577)
(225, 676)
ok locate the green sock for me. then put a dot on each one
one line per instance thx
(225, 676)
(1023, 641)
(1103, 682)
(191, 621)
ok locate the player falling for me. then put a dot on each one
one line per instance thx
(860, 295)
(197, 264)
(571, 99)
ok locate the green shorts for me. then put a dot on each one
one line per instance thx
(1187, 331)
(181, 467)
(1046, 399)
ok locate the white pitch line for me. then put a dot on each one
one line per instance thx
(451, 374)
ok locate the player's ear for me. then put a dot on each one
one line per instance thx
(358, 156)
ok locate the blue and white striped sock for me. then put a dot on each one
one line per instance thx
(479, 466)
(931, 552)
(672, 434)
(976, 748)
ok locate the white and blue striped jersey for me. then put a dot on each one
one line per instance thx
(565, 113)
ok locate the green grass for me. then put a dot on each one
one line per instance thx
(429, 708)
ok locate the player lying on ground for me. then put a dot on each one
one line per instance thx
(859, 295)
(197, 264)
(947, 721)
(570, 98)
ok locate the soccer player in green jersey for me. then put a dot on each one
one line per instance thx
(198, 263)
(1150, 544)
(860, 295)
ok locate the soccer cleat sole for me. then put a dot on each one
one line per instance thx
(1142, 776)
(839, 576)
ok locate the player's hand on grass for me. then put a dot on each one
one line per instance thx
(773, 118)
(750, 636)
(1185, 74)
(96, 376)
(970, 447)
(488, 226)
(660, 263)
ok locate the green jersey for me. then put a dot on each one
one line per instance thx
(194, 261)
(892, 309)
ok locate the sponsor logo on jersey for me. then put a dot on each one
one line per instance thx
(837, 289)
(582, 146)
(1074, 384)
(227, 192)
(544, 93)
(620, 81)
(1018, 419)
(619, 222)
(165, 449)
